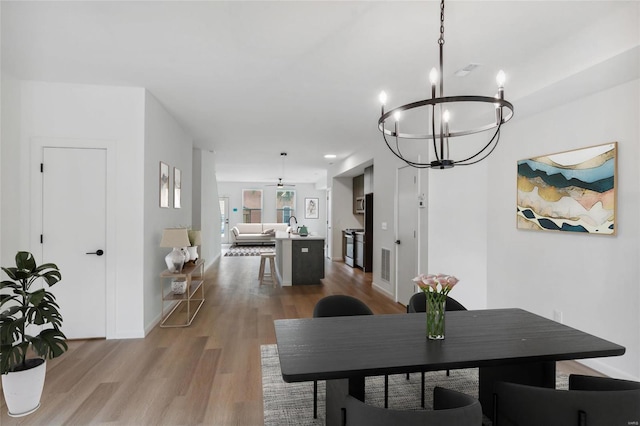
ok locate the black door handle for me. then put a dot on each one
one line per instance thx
(97, 252)
(397, 241)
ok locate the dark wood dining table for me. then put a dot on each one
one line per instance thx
(506, 344)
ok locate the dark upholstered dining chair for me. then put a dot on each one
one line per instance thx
(592, 401)
(449, 408)
(418, 303)
(339, 305)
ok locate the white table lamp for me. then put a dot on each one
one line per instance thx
(177, 238)
(195, 238)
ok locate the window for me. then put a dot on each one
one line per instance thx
(285, 205)
(251, 205)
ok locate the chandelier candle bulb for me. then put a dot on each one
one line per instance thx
(500, 79)
(433, 78)
(446, 115)
(383, 100)
(446, 138)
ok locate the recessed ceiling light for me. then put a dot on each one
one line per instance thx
(330, 156)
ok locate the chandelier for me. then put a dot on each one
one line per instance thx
(438, 117)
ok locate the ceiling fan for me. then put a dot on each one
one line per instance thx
(281, 184)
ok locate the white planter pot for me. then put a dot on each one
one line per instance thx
(22, 390)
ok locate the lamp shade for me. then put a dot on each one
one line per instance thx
(175, 237)
(195, 237)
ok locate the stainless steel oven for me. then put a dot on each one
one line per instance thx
(349, 246)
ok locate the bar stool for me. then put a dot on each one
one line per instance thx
(272, 267)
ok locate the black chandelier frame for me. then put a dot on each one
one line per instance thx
(503, 108)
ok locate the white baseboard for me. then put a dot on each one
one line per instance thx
(128, 334)
(383, 290)
(154, 323)
(210, 263)
(607, 370)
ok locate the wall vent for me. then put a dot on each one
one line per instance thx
(463, 72)
(385, 274)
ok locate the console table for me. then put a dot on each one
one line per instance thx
(191, 300)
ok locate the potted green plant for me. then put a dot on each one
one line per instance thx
(29, 331)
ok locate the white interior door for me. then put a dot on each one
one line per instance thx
(407, 236)
(328, 240)
(224, 219)
(74, 235)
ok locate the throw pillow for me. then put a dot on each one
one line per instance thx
(269, 231)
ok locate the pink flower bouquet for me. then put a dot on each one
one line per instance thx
(435, 288)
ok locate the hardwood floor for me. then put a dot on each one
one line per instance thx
(208, 373)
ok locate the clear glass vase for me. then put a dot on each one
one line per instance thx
(435, 315)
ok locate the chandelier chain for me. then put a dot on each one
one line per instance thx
(441, 39)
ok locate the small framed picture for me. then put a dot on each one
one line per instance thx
(177, 187)
(164, 185)
(311, 208)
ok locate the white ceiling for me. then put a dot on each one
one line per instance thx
(249, 80)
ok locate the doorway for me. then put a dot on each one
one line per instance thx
(407, 233)
(224, 219)
(74, 209)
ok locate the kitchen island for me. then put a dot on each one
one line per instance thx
(299, 260)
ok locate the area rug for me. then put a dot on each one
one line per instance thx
(249, 250)
(292, 403)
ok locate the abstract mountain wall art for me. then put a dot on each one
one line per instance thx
(573, 191)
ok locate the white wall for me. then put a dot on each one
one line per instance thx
(638, 182)
(206, 210)
(592, 280)
(138, 133)
(458, 237)
(115, 115)
(233, 190)
(166, 141)
(342, 214)
(385, 167)
(9, 150)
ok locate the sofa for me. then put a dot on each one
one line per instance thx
(256, 233)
